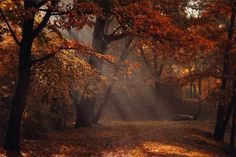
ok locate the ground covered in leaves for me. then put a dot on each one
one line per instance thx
(129, 139)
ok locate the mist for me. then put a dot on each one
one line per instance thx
(117, 78)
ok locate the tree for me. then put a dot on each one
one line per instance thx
(155, 22)
(27, 14)
(219, 30)
(227, 42)
(102, 37)
(127, 49)
(233, 101)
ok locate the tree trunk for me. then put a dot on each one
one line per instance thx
(12, 140)
(219, 128)
(84, 112)
(220, 125)
(99, 43)
(199, 87)
(208, 86)
(103, 105)
(233, 102)
(122, 57)
(228, 115)
(190, 85)
(86, 107)
(232, 137)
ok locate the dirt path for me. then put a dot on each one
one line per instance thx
(129, 139)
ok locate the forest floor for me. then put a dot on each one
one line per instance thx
(129, 139)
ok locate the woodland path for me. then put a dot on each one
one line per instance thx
(129, 139)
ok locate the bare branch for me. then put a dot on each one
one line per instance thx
(44, 58)
(59, 13)
(55, 12)
(43, 23)
(13, 34)
(46, 17)
(139, 29)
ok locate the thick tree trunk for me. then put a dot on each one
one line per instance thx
(227, 116)
(86, 107)
(99, 43)
(122, 57)
(12, 140)
(84, 112)
(98, 115)
(219, 128)
(220, 119)
(220, 125)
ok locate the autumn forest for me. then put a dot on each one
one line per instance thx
(117, 78)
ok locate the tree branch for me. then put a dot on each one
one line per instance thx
(10, 28)
(43, 23)
(46, 17)
(59, 13)
(146, 61)
(55, 12)
(139, 29)
(44, 58)
(114, 37)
